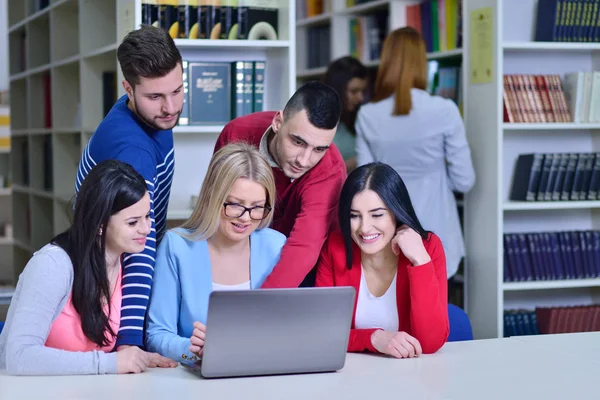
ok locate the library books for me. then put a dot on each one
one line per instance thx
(544, 256)
(551, 320)
(214, 19)
(567, 21)
(367, 33)
(217, 92)
(4, 126)
(534, 98)
(439, 22)
(583, 95)
(444, 79)
(311, 8)
(319, 46)
(556, 177)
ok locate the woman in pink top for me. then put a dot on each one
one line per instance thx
(65, 315)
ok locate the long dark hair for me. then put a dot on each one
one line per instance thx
(385, 181)
(109, 187)
(339, 73)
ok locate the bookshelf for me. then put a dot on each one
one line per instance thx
(57, 59)
(336, 15)
(495, 145)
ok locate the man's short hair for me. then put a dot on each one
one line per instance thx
(321, 103)
(147, 52)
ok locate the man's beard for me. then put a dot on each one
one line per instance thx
(150, 122)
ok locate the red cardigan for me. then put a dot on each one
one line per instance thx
(422, 292)
(305, 209)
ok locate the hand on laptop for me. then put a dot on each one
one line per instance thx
(133, 359)
(396, 344)
(197, 338)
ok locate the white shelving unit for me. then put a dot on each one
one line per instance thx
(338, 19)
(495, 147)
(73, 42)
(337, 15)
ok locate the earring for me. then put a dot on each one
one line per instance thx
(100, 232)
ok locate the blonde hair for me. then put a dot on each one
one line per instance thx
(403, 66)
(228, 164)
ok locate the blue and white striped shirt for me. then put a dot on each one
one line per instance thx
(122, 136)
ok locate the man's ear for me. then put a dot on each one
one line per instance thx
(128, 89)
(277, 121)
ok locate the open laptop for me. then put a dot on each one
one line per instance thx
(276, 331)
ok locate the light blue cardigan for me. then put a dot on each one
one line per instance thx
(183, 283)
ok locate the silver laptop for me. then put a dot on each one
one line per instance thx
(276, 331)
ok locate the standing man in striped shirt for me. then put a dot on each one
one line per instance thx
(138, 130)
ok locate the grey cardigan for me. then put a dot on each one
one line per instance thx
(429, 149)
(41, 294)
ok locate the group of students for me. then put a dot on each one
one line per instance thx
(118, 293)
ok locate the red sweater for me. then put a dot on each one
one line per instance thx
(304, 209)
(422, 292)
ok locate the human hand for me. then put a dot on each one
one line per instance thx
(410, 243)
(197, 338)
(135, 360)
(396, 344)
(123, 347)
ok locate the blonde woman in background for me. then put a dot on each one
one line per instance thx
(421, 136)
(224, 245)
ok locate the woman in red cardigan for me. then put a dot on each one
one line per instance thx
(397, 268)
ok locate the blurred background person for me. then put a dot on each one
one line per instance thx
(422, 136)
(348, 77)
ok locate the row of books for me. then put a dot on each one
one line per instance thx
(312, 8)
(214, 19)
(217, 92)
(367, 34)
(520, 322)
(556, 177)
(439, 21)
(534, 98)
(318, 46)
(444, 79)
(542, 256)
(583, 95)
(552, 320)
(568, 21)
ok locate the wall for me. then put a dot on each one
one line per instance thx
(3, 45)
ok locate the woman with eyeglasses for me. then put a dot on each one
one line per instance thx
(224, 245)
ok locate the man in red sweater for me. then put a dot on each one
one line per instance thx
(309, 174)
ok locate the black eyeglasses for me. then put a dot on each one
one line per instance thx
(257, 213)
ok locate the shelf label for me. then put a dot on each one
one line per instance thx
(481, 47)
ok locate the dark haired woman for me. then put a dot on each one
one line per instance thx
(397, 268)
(348, 77)
(64, 316)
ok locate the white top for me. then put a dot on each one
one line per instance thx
(240, 286)
(376, 312)
(429, 149)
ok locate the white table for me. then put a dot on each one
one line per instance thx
(481, 369)
(584, 344)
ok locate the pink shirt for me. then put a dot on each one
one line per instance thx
(66, 332)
